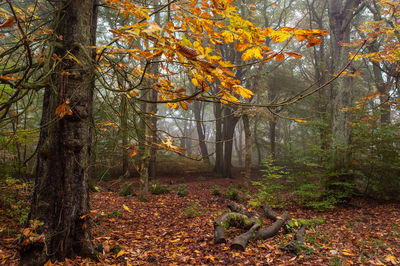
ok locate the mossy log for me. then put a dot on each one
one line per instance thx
(240, 217)
(239, 208)
(297, 244)
(227, 220)
(274, 228)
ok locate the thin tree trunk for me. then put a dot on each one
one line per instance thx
(124, 136)
(230, 122)
(239, 145)
(257, 144)
(61, 196)
(247, 153)
(272, 137)
(200, 132)
(219, 145)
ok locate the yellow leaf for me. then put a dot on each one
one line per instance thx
(257, 53)
(252, 52)
(195, 82)
(301, 121)
(210, 257)
(152, 27)
(392, 259)
(280, 35)
(228, 36)
(120, 253)
(249, 54)
(245, 93)
(348, 253)
(126, 208)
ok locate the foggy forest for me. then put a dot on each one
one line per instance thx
(208, 132)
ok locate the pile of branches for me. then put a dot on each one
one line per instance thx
(252, 222)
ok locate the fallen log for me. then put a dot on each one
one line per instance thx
(274, 228)
(230, 219)
(240, 242)
(253, 216)
(270, 213)
(240, 217)
(235, 207)
(297, 244)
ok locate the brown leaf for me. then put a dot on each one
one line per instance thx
(8, 23)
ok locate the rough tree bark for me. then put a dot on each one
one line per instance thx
(61, 194)
(341, 12)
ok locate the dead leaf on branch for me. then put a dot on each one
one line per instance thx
(63, 109)
(8, 23)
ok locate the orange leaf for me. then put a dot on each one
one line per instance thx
(8, 23)
(183, 105)
(279, 57)
(48, 263)
(313, 41)
(293, 54)
(63, 109)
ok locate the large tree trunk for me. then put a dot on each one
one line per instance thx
(61, 196)
(340, 15)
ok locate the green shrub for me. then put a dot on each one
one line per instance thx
(215, 190)
(193, 210)
(311, 195)
(182, 190)
(232, 193)
(157, 188)
(126, 190)
(269, 186)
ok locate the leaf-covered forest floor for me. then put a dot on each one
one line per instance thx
(170, 229)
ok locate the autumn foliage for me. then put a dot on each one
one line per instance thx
(190, 44)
